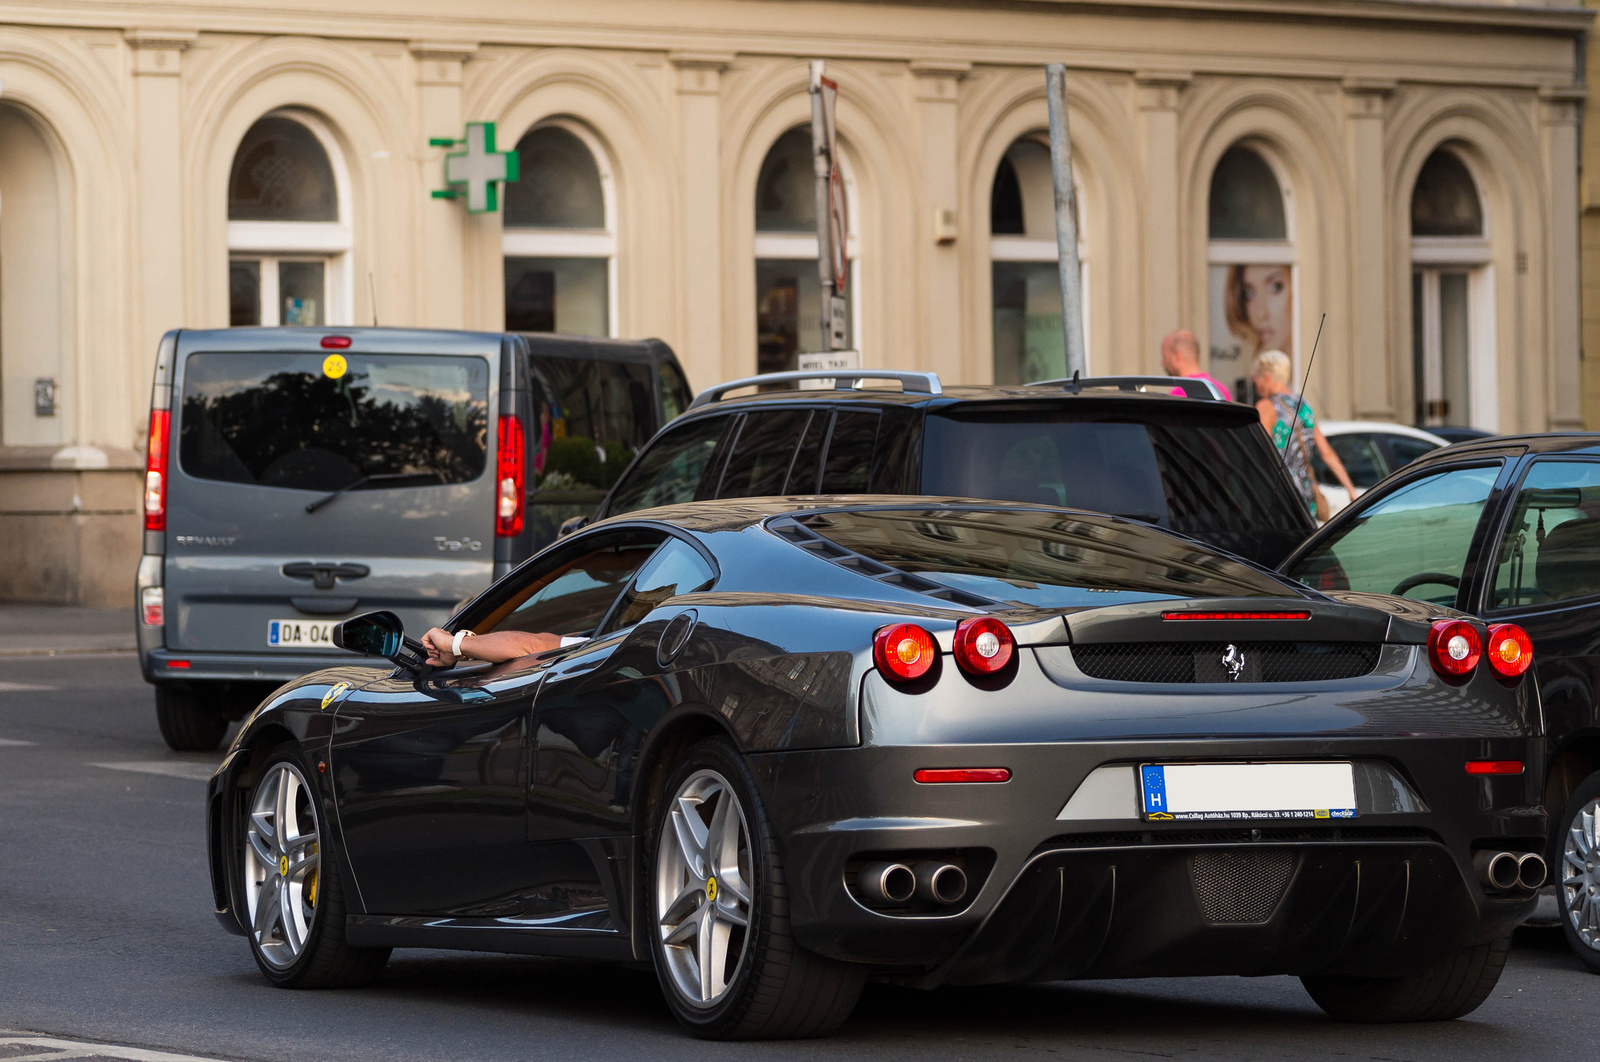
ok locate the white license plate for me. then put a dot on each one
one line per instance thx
(1248, 790)
(296, 634)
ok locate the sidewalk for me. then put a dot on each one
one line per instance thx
(28, 629)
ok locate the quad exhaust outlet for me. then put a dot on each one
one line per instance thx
(1505, 871)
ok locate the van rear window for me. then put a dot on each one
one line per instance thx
(296, 421)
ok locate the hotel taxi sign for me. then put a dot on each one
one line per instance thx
(473, 174)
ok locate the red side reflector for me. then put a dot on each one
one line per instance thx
(1236, 615)
(335, 342)
(939, 775)
(178, 663)
(1494, 766)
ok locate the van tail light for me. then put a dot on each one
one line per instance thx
(511, 469)
(1510, 650)
(153, 606)
(903, 652)
(1454, 648)
(984, 645)
(155, 471)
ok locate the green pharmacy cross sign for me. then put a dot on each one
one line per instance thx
(479, 168)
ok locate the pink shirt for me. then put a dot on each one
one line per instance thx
(1227, 395)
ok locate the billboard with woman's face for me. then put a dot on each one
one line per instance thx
(1252, 310)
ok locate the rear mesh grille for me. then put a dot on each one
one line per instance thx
(1204, 661)
(1240, 887)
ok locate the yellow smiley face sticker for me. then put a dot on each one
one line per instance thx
(334, 366)
(333, 693)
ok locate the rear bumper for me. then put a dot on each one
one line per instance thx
(1383, 894)
(275, 668)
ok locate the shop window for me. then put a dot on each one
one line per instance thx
(1451, 300)
(559, 240)
(288, 240)
(1251, 273)
(788, 286)
(1029, 343)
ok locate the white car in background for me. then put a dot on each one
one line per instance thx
(1370, 452)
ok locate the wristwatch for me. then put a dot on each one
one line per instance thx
(455, 643)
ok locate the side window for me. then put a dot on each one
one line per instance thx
(1403, 450)
(1413, 542)
(848, 466)
(675, 394)
(803, 472)
(676, 568)
(670, 470)
(1361, 458)
(1551, 549)
(572, 597)
(759, 462)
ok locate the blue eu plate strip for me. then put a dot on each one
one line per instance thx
(272, 633)
(1154, 778)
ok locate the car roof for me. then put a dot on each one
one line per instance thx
(1355, 427)
(1564, 442)
(391, 340)
(737, 514)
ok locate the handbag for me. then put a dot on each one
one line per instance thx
(1319, 500)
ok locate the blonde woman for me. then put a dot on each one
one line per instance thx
(1271, 373)
(1258, 305)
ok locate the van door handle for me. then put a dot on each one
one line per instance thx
(324, 575)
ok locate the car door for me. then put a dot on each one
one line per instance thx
(431, 773)
(1546, 578)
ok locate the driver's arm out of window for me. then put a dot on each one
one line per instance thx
(495, 647)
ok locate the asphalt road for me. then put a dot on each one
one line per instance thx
(106, 935)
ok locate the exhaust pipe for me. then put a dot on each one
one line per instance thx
(1501, 870)
(1531, 871)
(942, 883)
(889, 884)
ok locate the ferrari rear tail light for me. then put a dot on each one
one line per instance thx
(155, 471)
(984, 645)
(1454, 648)
(510, 477)
(903, 652)
(1510, 650)
(153, 606)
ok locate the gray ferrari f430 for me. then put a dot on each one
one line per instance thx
(792, 744)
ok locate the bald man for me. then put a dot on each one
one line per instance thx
(1180, 356)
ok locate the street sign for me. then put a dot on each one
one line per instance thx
(838, 323)
(479, 168)
(821, 362)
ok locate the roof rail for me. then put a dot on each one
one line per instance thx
(919, 383)
(1191, 387)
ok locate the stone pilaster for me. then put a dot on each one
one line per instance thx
(705, 357)
(1560, 109)
(441, 299)
(938, 87)
(1158, 94)
(1374, 368)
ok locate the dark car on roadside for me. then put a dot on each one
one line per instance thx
(785, 748)
(1120, 445)
(1508, 530)
(296, 476)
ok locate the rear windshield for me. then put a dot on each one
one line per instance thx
(594, 418)
(310, 422)
(1192, 475)
(1043, 559)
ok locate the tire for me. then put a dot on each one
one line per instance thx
(1575, 867)
(1446, 990)
(189, 721)
(776, 988)
(295, 919)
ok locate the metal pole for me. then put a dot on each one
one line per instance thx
(821, 166)
(1055, 76)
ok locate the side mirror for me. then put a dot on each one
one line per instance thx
(571, 524)
(380, 634)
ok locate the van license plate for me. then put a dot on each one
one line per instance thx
(1247, 791)
(296, 634)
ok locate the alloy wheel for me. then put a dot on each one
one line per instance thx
(704, 886)
(1580, 873)
(280, 865)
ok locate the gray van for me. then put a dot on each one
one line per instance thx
(297, 476)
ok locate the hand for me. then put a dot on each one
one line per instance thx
(437, 642)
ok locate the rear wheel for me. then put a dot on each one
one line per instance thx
(719, 913)
(189, 721)
(1577, 872)
(294, 902)
(1449, 989)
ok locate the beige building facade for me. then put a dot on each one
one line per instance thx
(1408, 168)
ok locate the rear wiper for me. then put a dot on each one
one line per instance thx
(312, 507)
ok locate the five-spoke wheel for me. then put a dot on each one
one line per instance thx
(703, 877)
(280, 865)
(1578, 877)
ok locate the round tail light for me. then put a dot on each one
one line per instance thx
(904, 652)
(1510, 650)
(984, 645)
(1454, 647)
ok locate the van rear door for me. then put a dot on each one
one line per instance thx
(308, 484)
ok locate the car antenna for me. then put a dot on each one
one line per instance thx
(372, 286)
(1077, 388)
(1307, 377)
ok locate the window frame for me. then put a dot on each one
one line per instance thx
(1512, 490)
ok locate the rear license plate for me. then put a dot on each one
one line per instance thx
(1248, 790)
(296, 634)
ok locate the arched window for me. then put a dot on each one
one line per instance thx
(1451, 300)
(288, 234)
(1028, 340)
(788, 286)
(560, 242)
(1251, 254)
(39, 392)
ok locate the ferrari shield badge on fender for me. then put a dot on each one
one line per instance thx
(337, 690)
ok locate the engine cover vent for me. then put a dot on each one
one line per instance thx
(1170, 662)
(1240, 887)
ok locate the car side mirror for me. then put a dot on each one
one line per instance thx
(571, 524)
(380, 634)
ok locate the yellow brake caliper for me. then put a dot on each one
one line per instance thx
(311, 885)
